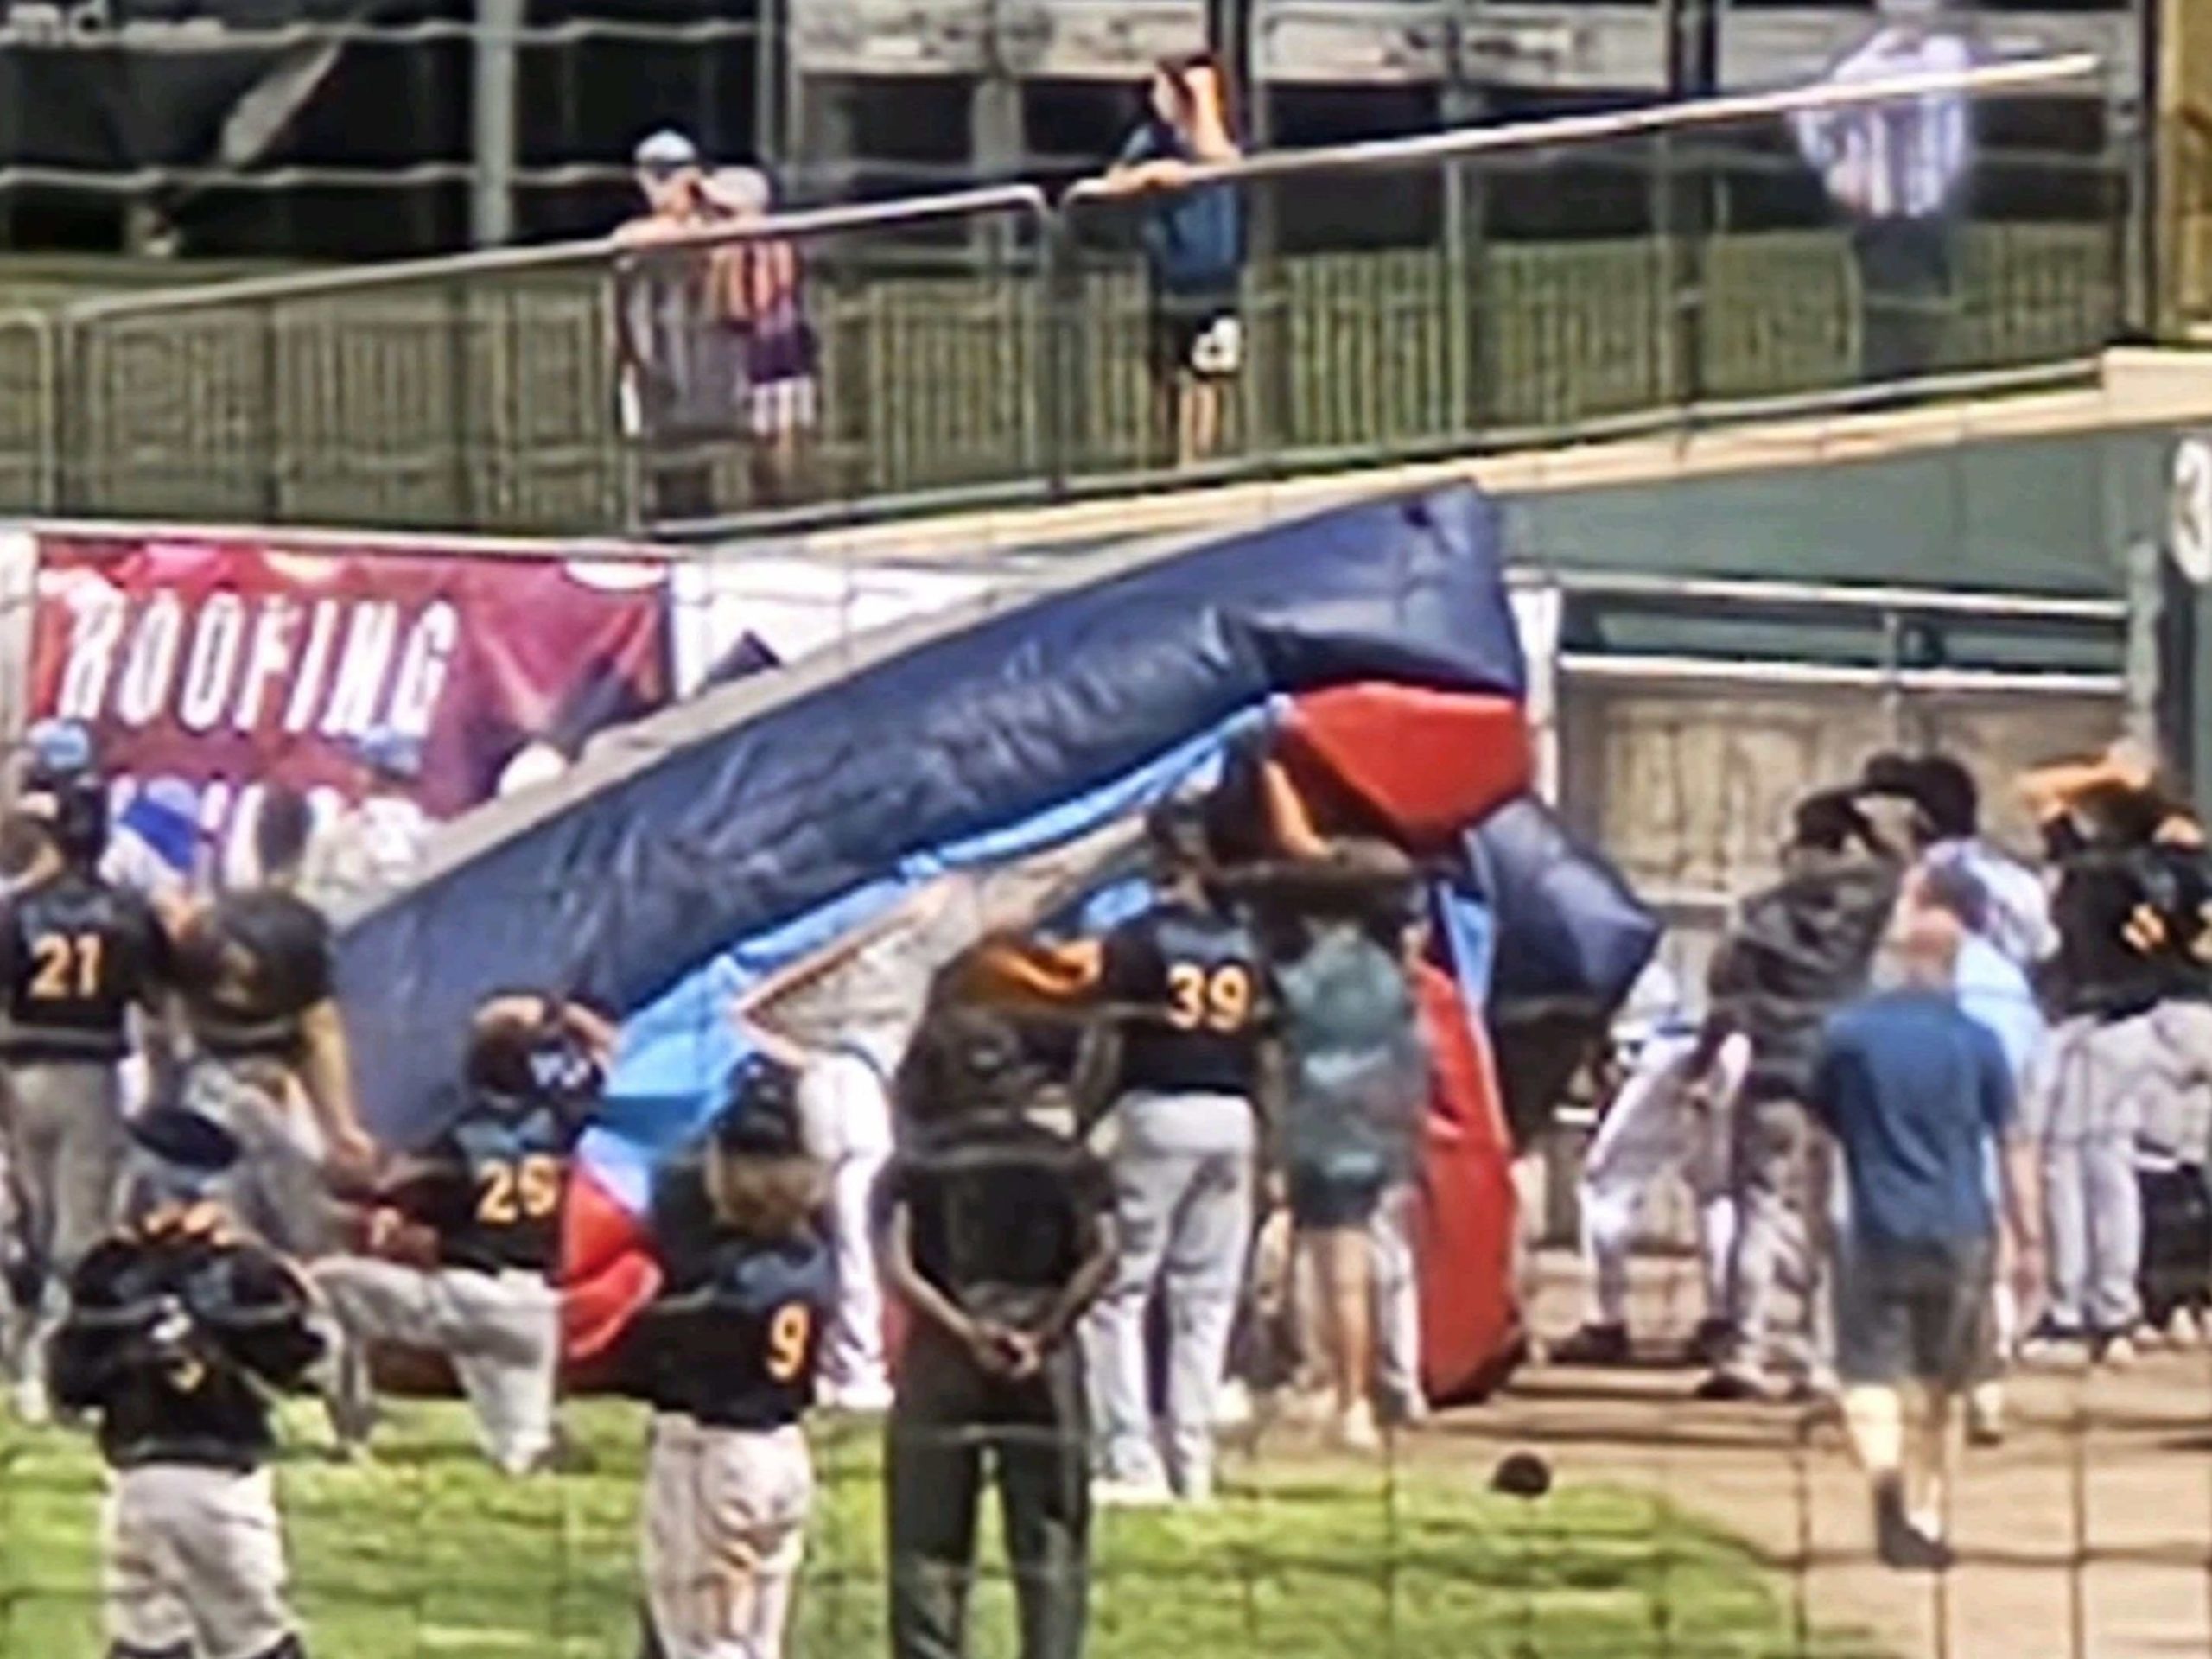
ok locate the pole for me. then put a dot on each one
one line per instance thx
(1465, 252)
(491, 193)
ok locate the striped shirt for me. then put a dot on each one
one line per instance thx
(1902, 158)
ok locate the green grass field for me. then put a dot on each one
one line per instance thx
(425, 1553)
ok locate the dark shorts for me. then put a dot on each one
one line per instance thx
(1321, 1200)
(1915, 1312)
(1197, 335)
(2176, 1265)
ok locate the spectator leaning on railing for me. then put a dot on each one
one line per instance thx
(764, 301)
(1895, 168)
(682, 381)
(1194, 249)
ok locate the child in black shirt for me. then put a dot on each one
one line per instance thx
(996, 1232)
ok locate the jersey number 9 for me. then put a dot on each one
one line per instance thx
(67, 966)
(789, 1328)
(528, 1190)
(1219, 999)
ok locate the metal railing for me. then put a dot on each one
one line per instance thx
(479, 391)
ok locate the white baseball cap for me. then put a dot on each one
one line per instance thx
(665, 151)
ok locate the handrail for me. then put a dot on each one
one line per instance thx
(249, 290)
(1648, 118)
(1834, 596)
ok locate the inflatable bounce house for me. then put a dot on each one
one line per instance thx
(801, 851)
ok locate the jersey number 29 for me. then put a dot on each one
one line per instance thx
(529, 1189)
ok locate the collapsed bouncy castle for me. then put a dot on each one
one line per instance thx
(803, 849)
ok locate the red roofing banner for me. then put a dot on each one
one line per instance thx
(227, 660)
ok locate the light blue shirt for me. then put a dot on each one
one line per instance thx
(1995, 994)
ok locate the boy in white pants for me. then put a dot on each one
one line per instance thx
(726, 1357)
(1670, 1117)
(845, 1114)
(179, 1333)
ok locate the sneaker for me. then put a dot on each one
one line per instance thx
(1232, 1405)
(1355, 1429)
(1193, 1489)
(2050, 1343)
(1710, 1343)
(1399, 1408)
(34, 1407)
(1112, 1492)
(1727, 1385)
(2185, 1330)
(2112, 1349)
(1594, 1344)
(869, 1399)
(1986, 1415)
(1898, 1541)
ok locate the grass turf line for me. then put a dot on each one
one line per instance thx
(425, 1554)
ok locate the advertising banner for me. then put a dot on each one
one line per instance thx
(222, 662)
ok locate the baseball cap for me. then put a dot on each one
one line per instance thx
(665, 151)
(759, 1116)
(181, 1153)
(59, 748)
(388, 749)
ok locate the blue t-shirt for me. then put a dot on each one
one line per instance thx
(1914, 1089)
(1193, 239)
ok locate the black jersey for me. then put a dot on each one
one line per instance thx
(2178, 883)
(1187, 984)
(2109, 964)
(75, 954)
(248, 967)
(494, 1186)
(178, 1332)
(734, 1340)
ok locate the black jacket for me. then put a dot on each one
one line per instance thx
(1799, 950)
(178, 1334)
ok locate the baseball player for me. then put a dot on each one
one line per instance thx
(726, 1357)
(254, 988)
(1183, 986)
(1669, 1117)
(461, 1254)
(77, 955)
(179, 1333)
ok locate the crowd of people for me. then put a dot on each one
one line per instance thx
(1061, 1193)
(1943, 1112)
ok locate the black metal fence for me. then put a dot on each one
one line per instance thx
(991, 347)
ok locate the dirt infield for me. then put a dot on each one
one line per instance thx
(2088, 1534)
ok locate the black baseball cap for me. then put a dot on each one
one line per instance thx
(183, 1155)
(759, 1116)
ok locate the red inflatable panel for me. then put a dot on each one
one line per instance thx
(596, 1231)
(1430, 762)
(1462, 1237)
(595, 1312)
(607, 1273)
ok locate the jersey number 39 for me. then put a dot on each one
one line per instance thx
(1220, 999)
